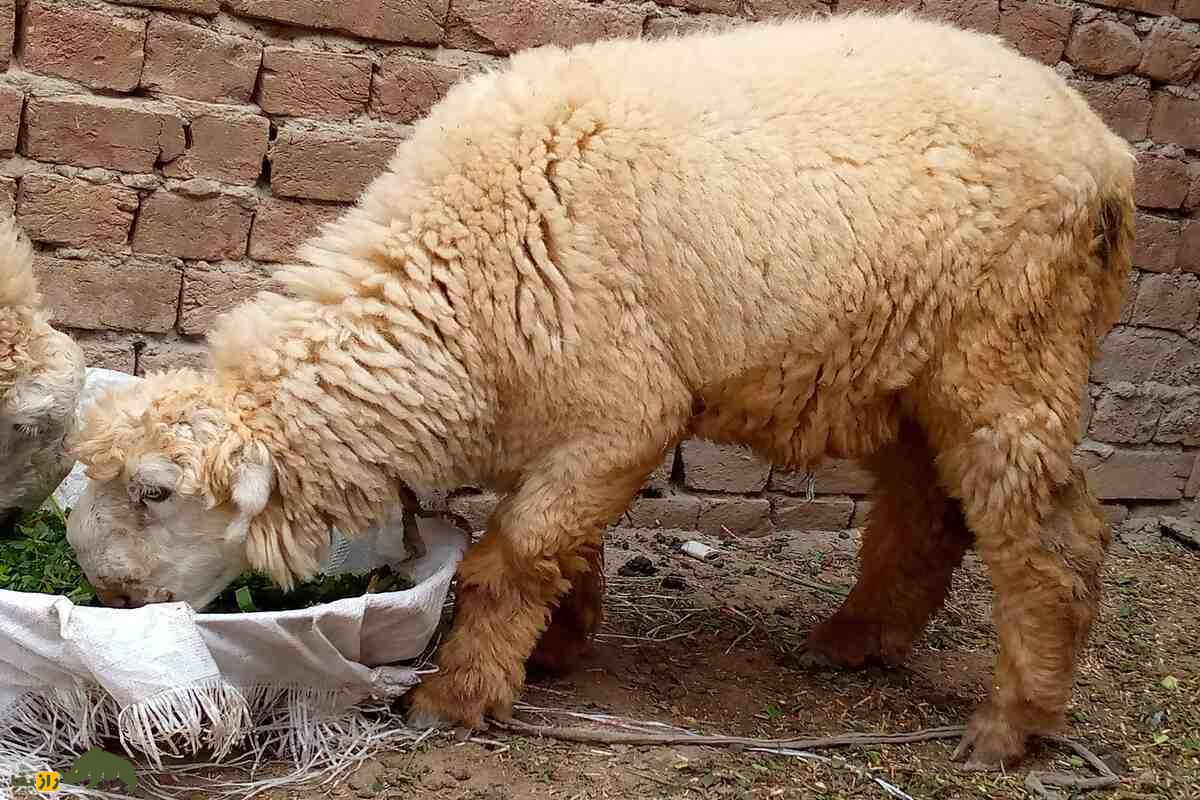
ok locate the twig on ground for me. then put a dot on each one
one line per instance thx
(1036, 781)
(839, 591)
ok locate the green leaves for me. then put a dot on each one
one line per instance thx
(37, 558)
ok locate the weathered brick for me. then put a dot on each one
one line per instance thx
(862, 513)
(308, 83)
(1172, 52)
(1162, 181)
(171, 352)
(979, 15)
(1104, 47)
(1159, 7)
(226, 146)
(740, 516)
(1141, 355)
(210, 290)
(127, 135)
(1114, 513)
(1156, 243)
(722, 468)
(1192, 201)
(878, 5)
(192, 227)
(1038, 28)
(1139, 474)
(822, 514)
(205, 7)
(8, 26)
(416, 21)
(12, 101)
(1124, 107)
(130, 294)
(660, 479)
(75, 213)
(1180, 421)
(474, 508)
(8, 197)
(1087, 408)
(280, 226)
(326, 165)
(1126, 414)
(775, 9)
(1188, 254)
(1175, 119)
(190, 61)
(667, 26)
(1168, 301)
(705, 6)
(506, 26)
(407, 87)
(106, 349)
(679, 511)
(98, 50)
(1193, 485)
(1129, 296)
(834, 476)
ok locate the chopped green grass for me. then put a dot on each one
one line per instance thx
(35, 557)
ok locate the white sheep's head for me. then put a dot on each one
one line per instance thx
(180, 500)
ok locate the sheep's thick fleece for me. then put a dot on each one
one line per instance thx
(867, 236)
(41, 375)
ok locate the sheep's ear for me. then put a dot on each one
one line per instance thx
(251, 487)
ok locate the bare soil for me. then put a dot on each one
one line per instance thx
(714, 646)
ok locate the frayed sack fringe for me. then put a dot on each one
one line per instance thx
(310, 736)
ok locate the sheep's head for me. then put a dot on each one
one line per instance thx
(37, 413)
(176, 485)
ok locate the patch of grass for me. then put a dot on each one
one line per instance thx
(35, 557)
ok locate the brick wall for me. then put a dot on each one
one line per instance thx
(164, 154)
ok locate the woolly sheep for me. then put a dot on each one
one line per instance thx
(868, 236)
(41, 376)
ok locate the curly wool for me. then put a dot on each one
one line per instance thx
(41, 376)
(547, 253)
(20, 303)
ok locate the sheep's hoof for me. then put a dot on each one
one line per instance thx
(990, 743)
(854, 643)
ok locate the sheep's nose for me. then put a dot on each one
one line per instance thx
(119, 598)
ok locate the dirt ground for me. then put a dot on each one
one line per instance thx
(713, 647)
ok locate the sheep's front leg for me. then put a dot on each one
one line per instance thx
(540, 541)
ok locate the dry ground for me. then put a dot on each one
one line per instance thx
(713, 646)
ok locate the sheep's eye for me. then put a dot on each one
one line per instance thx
(155, 494)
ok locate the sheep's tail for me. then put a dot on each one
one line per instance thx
(19, 303)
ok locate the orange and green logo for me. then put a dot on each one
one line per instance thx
(93, 769)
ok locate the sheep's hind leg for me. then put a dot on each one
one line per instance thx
(575, 619)
(915, 539)
(541, 540)
(1040, 532)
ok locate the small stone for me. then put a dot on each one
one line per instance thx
(674, 583)
(637, 567)
(366, 776)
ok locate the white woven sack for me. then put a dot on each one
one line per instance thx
(167, 681)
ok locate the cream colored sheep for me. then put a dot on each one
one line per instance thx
(865, 237)
(41, 375)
